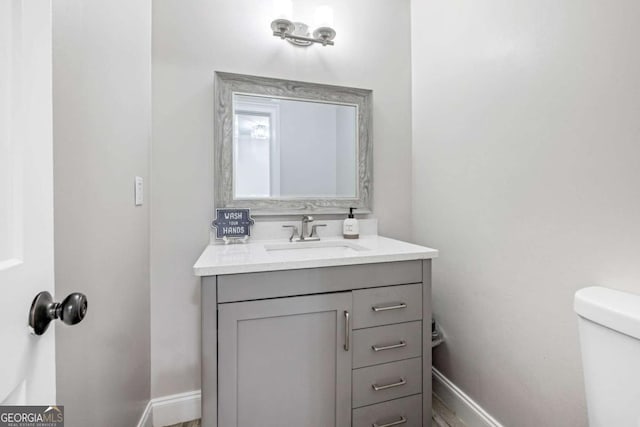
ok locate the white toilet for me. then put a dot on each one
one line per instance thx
(609, 324)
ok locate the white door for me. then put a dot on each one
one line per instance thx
(27, 362)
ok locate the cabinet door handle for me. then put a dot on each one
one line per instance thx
(347, 328)
(397, 306)
(377, 387)
(402, 420)
(389, 347)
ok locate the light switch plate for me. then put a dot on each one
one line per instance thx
(139, 191)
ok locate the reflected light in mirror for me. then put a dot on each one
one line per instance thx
(260, 132)
(252, 154)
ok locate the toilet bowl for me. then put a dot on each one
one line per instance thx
(609, 326)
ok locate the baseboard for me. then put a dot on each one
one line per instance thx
(173, 409)
(177, 408)
(146, 420)
(465, 408)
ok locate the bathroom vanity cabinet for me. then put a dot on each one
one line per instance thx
(345, 345)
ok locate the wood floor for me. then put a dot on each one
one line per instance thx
(194, 423)
(442, 417)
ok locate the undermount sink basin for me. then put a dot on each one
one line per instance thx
(326, 248)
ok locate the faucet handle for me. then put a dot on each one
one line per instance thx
(294, 231)
(314, 232)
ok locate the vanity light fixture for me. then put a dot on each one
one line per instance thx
(298, 32)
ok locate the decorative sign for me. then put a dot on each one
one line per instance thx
(233, 224)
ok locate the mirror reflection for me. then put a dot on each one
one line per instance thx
(290, 149)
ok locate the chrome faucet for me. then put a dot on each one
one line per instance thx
(305, 235)
(304, 229)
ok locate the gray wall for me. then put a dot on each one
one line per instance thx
(526, 142)
(192, 39)
(101, 84)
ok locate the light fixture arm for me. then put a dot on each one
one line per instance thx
(285, 36)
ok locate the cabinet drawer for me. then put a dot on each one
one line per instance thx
(385, 382)
(384, 306)
(274, 284)
(389, 343)
(407, 409)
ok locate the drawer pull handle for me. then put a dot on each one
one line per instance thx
(402, 420)
(389, 347)
(397, 306)
(347, 329)
(377, 387)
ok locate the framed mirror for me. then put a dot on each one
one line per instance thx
(287, 147)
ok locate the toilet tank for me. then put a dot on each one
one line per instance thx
(609, 325)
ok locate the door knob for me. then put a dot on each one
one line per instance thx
(71, 311)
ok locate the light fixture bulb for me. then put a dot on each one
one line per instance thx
(283, 9)
(324, 16)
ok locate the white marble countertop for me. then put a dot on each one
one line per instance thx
(271, 255)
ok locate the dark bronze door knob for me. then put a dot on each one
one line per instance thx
(71, 311)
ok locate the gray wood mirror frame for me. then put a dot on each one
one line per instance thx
(232, 90)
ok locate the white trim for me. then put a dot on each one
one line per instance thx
(177, 408)
(173, 409)
(146, 420)
(465, 408)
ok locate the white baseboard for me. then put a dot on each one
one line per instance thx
(465, 408)
(174, 409)
(146, 420)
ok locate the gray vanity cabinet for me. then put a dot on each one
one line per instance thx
(285, 362)
(320, 347)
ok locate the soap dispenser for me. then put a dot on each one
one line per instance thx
(350, 229)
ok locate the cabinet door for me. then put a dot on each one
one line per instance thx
(283, 362)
